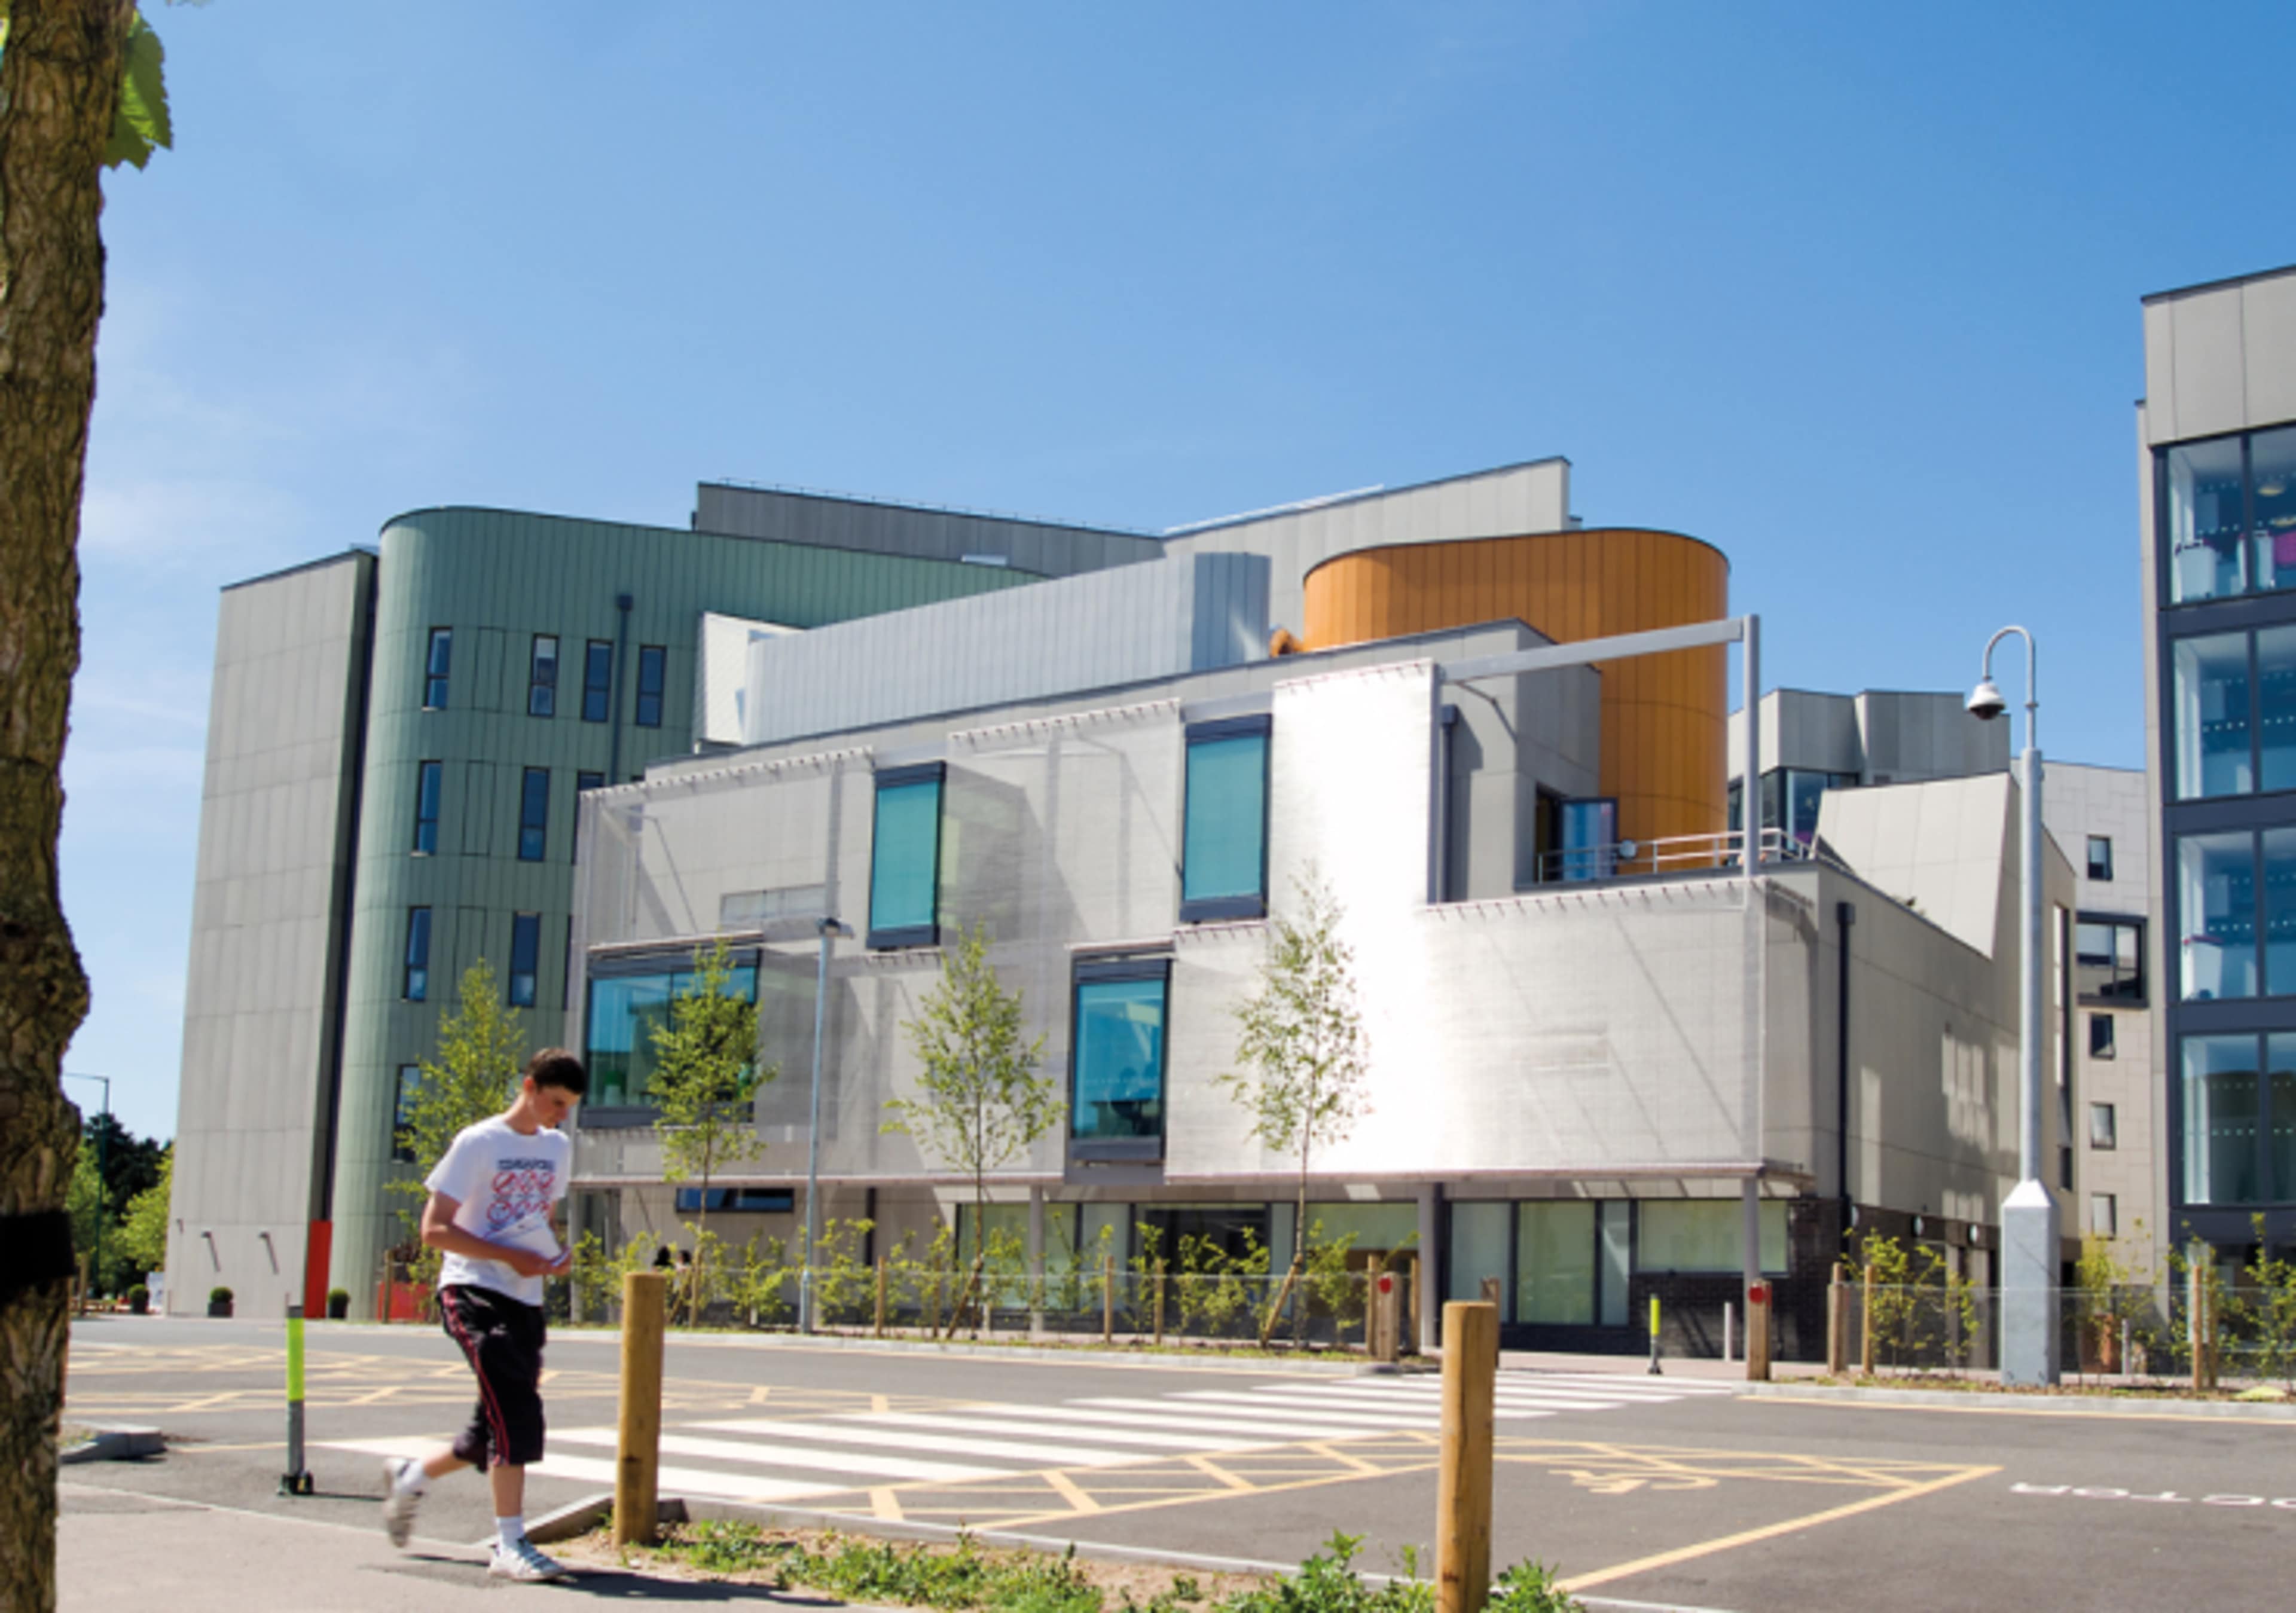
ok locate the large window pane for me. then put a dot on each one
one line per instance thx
(597, 681)
(426, 807)
(1119, 1086)
(2272, 502)
(416, 985)
(2109, 959)
(436, 666)
(2280, 912)
(1617, 1259)
(542, 676)
(533, 815)
(653, 677)
(1804, 791)
(1590, 839)
(1554, 1263)
(2207, 559)
(2215, 884)
(1706, 1234)
(1224, 856)
(625, 1011)
(2280, 1084)
(2276, 714)
(1480, 1230)
(525, 957)
(2220, 1120)
(905, 863)
(2212, 715)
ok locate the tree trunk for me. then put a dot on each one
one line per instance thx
(59, 92)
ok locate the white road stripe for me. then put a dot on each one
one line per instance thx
(1561, 1400)
(1338, 1400)
(685, 1481)
(1343, 1413)
(1166, 1415)
(410, 1444)
(1038, 1430)
(1672, 1386)
(779, 1454)
(841, 1432)
(1433, 1395)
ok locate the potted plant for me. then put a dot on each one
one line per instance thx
(218, 1301)
(339, 1304)
(139, 1300)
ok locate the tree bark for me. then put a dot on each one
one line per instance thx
(59, 93)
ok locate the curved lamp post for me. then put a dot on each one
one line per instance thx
(2030, 1245)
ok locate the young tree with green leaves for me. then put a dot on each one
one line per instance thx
(1305, 1053)
(80, 91)
(982, 1103)
(144, 1230)
(481, 1052)
(705, 1073)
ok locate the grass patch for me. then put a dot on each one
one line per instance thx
(967, 1577)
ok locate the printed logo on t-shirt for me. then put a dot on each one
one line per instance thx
(522, 1192)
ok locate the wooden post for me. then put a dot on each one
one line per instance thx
(881, 1296)
(386, 1306)
(1837, 1324)
(1409, 1344)
(1160, 1304)
(1462, 1492)
(1758, 1334)
(637, 1464)
(1107, 1300)
(1866, 1328)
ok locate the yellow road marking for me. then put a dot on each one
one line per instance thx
(1708, 1548)
(1068, 1491)
(886, 1504)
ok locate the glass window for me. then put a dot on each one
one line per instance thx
(653, 670)
(1554, 1261)
(2099, 1037)
(416, 985)
(597, 681)
(2272, 506)
(2109, 958)
(2100, 856)
(625, 1011)
(542, 676)
(2104, 1214)
(2212, 711)
(426, 807)
(1804, 791)
(436, 666)
(402, 1147)
(2207, 559)
(905, 859)
(587, 779)
(1617, 1252)
(1706, 1234)
(525, 957)
(1115, 1087)
(1480, 1231)
(2104, 1127)
(2216, 885)
(533, 815)
(2220, 1120)
(1224, 846)
(2280, 912)
(2280, 1099)
(750, 1200)
(1590, 839)
(2276, 707)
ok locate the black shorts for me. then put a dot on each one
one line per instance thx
(501, 1337)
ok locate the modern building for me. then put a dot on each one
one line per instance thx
(1813, 743)
(2217, 480)
(397, 738)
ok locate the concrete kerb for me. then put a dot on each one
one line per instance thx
(2029, 1404)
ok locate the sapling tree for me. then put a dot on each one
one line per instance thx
(481, 1047)
(706, 1072)
(980, 1102)
(1305, 1054)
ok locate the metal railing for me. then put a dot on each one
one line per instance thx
(1674, 857)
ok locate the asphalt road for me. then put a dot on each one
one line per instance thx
(1664, 1493)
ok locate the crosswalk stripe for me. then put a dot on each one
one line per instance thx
(1565, 1400)
(1163, 1413)
(404, 1445)
(1414, 1394)
(1671, 1386)
(779, 1454)
(684, 1481)
(1336, 1400)
(840, 1431)
(1343, 1413)
(1023, 1430)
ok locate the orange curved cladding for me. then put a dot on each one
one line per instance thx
(1665, 717)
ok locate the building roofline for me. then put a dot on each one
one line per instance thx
(2216, 285)
(1502, 537)
(921, 507)
(1341, 501)
(355, 551)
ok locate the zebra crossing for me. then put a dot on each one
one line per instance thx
(782, 1459)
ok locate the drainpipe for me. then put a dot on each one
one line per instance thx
(614, 717)
(1845, 915)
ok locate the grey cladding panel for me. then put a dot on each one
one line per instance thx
(1049, 549)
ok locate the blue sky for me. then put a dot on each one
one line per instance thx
(1850, 292)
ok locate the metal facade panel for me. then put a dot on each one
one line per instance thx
(1044, 548)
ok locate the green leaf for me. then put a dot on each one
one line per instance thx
(140, 126)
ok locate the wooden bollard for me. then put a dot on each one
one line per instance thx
(638, 1459)
(1837, 1324)
(1160, 1304)
(1757, 1332)
(881, 1296)
(1463, 1491)
(1866, 1328)
(1107, 1300)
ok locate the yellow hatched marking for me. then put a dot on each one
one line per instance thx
(1066, 1487)
(886, 1504)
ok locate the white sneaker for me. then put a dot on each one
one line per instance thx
(399, 1502)
(528, 1564)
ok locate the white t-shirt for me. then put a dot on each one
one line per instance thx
(505, 1183)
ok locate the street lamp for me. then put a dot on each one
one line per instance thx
(103, 1165)
(2029, 1246)
(830, 930)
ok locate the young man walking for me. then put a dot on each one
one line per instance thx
(491, 1210)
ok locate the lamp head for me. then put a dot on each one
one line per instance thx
(1985, 701)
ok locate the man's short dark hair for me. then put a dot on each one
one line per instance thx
(555, 1067)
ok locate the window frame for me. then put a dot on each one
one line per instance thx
(411, 989)
(2104, 1128)
(2106, 1047)
(539, 689)
(658, 656)
(531, 923)
(900, 936)
(1262, 727)
(2115, 998)
(540, 827)
(602, 690)
(2094, 862)
(430, 780)
(1119, 1150)
(438, 680)
(409, 1076)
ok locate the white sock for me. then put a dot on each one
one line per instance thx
(509, 1531)
(413, 1479)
